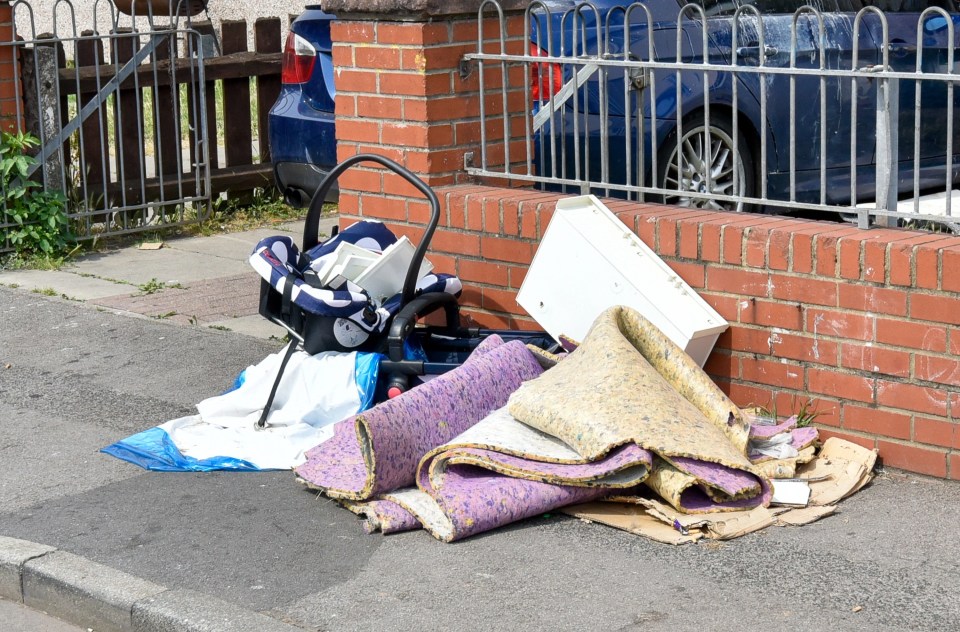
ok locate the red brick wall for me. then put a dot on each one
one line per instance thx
(8, 78)
(400, 94)
(864, 323)
(867, 323)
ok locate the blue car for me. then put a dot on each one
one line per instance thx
(570, 144)
(303, 141)
(792, 170)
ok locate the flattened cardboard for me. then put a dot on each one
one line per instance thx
(633, 519)
(716, 526)
(847, 465)
(805, 515)
(785, 468)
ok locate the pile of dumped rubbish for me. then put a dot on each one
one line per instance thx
(626, 417)
(619, 426)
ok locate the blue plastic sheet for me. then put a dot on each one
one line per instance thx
(155, 450)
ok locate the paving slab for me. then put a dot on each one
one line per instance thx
(167, 265)
(63, 283)
(235, 246)
(212, 281)
(326, 225)
(202, 301)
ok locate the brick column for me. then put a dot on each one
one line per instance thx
(401, 94)
(8, 77)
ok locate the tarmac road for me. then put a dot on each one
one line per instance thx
(82, 377)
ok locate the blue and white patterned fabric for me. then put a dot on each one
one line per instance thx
(373, 236)
(276, 258)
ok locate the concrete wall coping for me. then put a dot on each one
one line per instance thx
(412, 10)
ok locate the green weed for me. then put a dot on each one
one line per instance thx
(34, 261)
(153, 286)
(263, 207)
(40, 222)
(805, 410)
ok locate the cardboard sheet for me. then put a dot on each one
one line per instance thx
(846, 465)
(805, 515)
(632, 518)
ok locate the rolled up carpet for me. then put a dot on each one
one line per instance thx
(474, 500)
(378, 451)
(628, 383)
(385, 516)
(500, 471)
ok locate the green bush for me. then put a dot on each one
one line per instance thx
(41, 225)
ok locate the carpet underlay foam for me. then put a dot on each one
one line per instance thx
(499, 439)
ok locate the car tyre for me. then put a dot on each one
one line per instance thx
(706, 149)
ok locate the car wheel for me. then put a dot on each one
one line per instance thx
(706, 150)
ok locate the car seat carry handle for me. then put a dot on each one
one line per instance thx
(311, 228)
(406, 319)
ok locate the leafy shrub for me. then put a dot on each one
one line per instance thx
(41, 225)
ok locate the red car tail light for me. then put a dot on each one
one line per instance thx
(299, 57)
(545, 79)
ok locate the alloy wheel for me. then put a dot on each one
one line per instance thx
(707, 164)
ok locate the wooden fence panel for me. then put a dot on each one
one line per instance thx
(237, 121)
(140, 164)
(94, 130)
(210, 98)
(166, 150)
(266, 40)
(128, 119)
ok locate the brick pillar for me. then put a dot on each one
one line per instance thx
(400, 93)
(8, 76)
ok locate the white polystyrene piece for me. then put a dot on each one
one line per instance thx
(589, 260)
(385, 276)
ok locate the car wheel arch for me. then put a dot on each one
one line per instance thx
(750, 139)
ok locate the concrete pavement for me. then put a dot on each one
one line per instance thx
(89, 536)
(202, 281)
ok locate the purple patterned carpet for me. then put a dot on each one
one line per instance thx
(378, 450)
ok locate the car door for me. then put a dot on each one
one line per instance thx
(821, 145)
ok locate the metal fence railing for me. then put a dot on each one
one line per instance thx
(143, 120)
(120, 116)
(838, 106)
